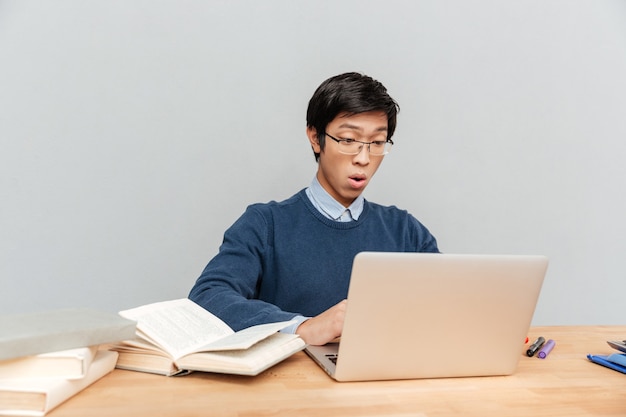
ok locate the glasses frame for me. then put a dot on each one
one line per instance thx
(362, 145)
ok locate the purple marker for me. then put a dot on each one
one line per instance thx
(546, 349)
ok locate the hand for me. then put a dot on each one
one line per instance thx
(324, 327)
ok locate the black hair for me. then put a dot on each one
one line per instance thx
(351, 93)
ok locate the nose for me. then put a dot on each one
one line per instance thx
(363, 157)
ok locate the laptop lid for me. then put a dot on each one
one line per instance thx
(419, 315)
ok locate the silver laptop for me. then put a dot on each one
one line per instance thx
(418, 315)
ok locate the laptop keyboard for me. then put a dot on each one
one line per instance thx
(332, 357)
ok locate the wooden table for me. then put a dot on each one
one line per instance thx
(563, 384)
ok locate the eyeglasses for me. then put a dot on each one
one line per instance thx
(354, 147)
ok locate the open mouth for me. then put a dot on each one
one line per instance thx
(357, 180)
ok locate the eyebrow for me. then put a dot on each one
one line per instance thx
(355, 127)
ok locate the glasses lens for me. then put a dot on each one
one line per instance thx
(350, 147)
(354, 147)
(380, 148)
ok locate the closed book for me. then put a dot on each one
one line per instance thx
(37, 396)
(618, 358)
(178, 336)
(69, 364)
(51, 331)
(603, 360)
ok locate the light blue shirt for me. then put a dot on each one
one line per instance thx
(330, 207)
(333, 210)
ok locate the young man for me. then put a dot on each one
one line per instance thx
(292, 259)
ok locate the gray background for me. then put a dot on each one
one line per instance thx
(133, 133)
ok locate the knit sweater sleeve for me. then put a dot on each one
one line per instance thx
(228, 286)
(425, 241)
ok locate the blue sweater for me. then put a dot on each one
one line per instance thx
(283, 259)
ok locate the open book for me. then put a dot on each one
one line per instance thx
(178, 336)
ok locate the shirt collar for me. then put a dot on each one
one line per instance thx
(330, 207)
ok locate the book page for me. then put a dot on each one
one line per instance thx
(178, 326)
(245, 338)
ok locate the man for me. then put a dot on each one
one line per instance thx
(292, 259)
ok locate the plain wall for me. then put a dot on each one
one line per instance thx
(133, 133)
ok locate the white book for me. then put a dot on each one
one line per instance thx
(51, 331)
(37, 396)
(179, 336)
(68, 364)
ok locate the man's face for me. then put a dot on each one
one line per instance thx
(345, 177)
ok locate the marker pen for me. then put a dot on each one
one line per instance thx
(535, 346)
(546, 349)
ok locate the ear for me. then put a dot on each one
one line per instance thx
(311, 133)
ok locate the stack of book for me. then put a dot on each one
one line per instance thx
(47, 357)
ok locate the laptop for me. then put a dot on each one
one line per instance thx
(424, 315)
